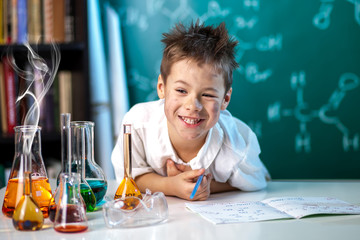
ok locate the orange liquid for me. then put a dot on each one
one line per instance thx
(41, 193)
(71, 228)
(128, 188)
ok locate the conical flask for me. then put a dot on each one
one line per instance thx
(128, 187)
(70, 215)
(79, 155)
(82, 133)
(40, 187)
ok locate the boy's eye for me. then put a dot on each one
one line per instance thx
(208, 95)
(181, 91)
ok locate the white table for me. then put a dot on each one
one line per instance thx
(183, 224)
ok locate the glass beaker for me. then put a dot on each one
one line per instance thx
(70, 214)
(128, 187)
(82, 138)
(40, 186)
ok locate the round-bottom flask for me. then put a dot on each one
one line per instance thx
(82, 134)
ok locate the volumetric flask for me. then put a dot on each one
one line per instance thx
(128, 187)
(40, 187)
(82, 138)
(70, 215)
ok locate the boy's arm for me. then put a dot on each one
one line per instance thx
(217, 187)
(180, 185)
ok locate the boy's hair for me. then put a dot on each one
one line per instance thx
(203, 44)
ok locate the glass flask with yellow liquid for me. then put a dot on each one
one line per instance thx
(27, 215)
(40, 186)
(128, 187)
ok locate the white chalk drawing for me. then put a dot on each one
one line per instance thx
(304, 115)
(322, 19)
(356, 10)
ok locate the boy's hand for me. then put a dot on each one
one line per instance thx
(185, 178)
(174, 169)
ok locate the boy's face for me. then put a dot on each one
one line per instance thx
(194, 96)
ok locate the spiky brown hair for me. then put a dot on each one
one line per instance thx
(201, 44)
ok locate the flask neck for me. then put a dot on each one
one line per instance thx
(27, 140)
(82, 140)
(127, 155)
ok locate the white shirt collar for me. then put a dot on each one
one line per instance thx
(206, 154)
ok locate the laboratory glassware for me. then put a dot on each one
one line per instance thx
(82, 134)
(65, 144)
(40, 186)
(128, 187)
(27, 214)
(152, 209)
(79, 154)
(70, 214)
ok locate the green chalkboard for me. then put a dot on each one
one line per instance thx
(298, 85)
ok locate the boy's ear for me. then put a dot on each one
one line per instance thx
(161, 87)
(226, 100)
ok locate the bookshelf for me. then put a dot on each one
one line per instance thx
(74, 59)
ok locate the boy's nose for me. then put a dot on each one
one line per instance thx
(193, 103)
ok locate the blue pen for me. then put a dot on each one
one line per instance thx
(196, 186)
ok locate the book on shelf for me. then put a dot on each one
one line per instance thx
(59, 20)
(48, 20)
(34, 21)
(9, 79)
(271, 209)
(69, 21)
(22, 19)
(6, 24)
(38, 21)
(13, 21)
(3, 101)
(2, 13)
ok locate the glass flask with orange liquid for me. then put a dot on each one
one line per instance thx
(40, 186)
(128, 187)
(70, 215)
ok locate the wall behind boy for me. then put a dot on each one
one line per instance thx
(298, 85)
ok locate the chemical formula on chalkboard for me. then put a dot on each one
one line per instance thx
(347, 82)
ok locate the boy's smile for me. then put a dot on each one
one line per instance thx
(194, 95)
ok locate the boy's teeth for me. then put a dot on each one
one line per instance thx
(190, 120)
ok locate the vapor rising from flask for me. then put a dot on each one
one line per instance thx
(39, 72)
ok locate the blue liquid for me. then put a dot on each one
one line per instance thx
(99, 187)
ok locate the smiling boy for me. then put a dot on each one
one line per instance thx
(189, 132)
